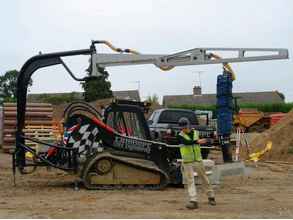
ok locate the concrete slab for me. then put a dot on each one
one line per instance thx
(227, 169)
(215, 173)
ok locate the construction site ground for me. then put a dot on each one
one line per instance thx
(266, 193)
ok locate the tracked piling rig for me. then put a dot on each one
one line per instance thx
(101, 156)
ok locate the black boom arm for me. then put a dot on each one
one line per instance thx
(26, 72)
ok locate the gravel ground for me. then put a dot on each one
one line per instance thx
(266, 193)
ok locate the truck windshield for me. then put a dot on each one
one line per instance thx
(173, 116)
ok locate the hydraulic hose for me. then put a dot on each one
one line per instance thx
(131, 51)
(116, 49)
(226, 66)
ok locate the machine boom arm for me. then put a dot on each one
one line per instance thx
(197, 56)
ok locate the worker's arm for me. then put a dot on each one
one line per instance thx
(190, 142)
(202, 141)
(184, 141)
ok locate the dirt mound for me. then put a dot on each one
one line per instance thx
(281, 135)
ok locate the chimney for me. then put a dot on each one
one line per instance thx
(196, 90)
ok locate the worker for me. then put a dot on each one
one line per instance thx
(192, 160)
(102, 110)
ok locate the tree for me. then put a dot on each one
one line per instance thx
(281, 95)
(8, 83)
(57, 99)
(1, 95)
(98, 87)
(154, 99)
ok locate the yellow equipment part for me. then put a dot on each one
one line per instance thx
(257, 155)
(226, 66)
(29, 155)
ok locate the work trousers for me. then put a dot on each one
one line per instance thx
(188, 172)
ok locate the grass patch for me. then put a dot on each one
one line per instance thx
(290, 150)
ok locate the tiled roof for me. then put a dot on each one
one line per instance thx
(127, 94)
(210, 99)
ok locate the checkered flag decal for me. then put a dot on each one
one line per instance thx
(84, 139)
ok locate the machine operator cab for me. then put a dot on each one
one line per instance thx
(127, 118)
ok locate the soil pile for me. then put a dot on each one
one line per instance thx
(281, 135)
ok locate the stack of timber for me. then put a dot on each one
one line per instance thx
(38, 124)
(1, 124)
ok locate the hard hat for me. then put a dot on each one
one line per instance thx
(184, 122)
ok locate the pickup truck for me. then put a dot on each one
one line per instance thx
(163, 124)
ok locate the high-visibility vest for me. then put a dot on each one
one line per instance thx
(190, 153)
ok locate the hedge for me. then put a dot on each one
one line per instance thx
(280, 107)
(58, 99)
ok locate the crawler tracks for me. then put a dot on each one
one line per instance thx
(107, 172)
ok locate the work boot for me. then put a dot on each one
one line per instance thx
(192, 205)
(212, 201)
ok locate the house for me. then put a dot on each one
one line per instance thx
(127, 94)
(197, 98)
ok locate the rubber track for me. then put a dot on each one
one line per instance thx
(163, 183)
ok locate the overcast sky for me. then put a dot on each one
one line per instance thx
(150, 26)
